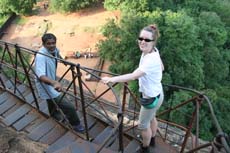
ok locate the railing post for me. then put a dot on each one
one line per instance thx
(121, 117)
(121, 147)
(27, 74)
(198, 103)
(188, 132)
(12, 61)
(82, 99)
(74, 85)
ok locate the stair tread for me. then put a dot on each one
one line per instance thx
(13, 117)
(53, 135)
(66, 139)
(3, 97)
(97, 128)
(82, 146)
(21, 89)
(35, 124)
(42, 129)
(115, 145)
(103, 136)
(26, 120)
(163, 147)
(7, 105)
(132, 146)
(91, 121)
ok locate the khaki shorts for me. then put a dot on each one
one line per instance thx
(146, 115)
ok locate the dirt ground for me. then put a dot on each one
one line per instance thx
(75, 32)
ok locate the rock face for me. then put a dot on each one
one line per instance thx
(17, 142)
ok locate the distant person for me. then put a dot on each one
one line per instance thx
(85, 55)
(45, 5)
(77, 54)
(149, 74)
(50, 89)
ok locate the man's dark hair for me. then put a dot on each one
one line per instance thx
(48, 36)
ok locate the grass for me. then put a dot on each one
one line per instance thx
(91, 29)
(20, 20)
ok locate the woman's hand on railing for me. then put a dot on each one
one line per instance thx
(106, 80)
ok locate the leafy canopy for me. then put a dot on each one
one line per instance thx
(19, 7)
(194, 46)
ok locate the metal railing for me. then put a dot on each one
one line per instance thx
(17, 63)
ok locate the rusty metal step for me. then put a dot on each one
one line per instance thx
(12, 109)
(3, 77)
(26, 120)
(8, 84)
(21, 89)
(100, 138)
(4, 96)
(132, 146)
(96, 129)
(29, 98)
(42, 106)
(39, 127)
(162, 147)
(53, 135)
(115, 145)
(42, 129)
(47, 131)
(20, 112)
(34, 124)
(81, 146)
(65, 140)
(91, 121)
(7, 104)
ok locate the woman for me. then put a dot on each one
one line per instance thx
(149, 74)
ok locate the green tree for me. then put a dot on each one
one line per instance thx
(19, 7)
(185, 62)
(70, 5)
(140, 5)
(179, 46)
(194, 47)
(214, 36)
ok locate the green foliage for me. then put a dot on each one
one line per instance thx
(3, 18)
(179, 46)
(20, 20)
(194, 46)
(9, 56)
(222, 8)
(121, 44)
(19, 7)
(70, 5)
(214, 36)
(112, 4)
(182, 115)
(140, 5)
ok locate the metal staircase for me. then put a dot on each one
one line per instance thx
(111, 126)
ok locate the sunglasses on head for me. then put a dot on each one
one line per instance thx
(146, 40)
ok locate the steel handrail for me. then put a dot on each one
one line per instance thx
(121, 107)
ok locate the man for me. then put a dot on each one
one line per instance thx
(50, 89)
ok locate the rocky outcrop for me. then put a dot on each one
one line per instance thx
(17, 142)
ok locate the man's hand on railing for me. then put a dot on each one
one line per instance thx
(57, 85)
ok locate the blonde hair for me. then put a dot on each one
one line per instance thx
(154, 30)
